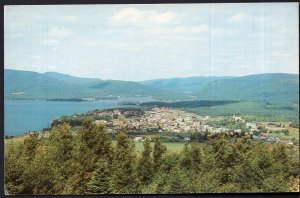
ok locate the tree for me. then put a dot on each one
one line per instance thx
(158, 151)
(145, 165)
(61, 145)
(99, 183)
(30, 145)
(84, 160)
(179, 181)
(185, 158)
(123, 179)
(14, 168)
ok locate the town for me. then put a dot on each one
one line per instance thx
(140, 123)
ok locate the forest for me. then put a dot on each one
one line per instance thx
(93, 161)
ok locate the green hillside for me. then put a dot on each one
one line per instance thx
(33, 85)
(71, 79)
(121, 87)
(276, 88)
(51, 85)
(183, 85)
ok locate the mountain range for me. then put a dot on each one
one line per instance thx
(268, 87)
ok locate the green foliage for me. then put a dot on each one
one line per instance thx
(145, 169)
(30, 146)
(158, 151)
(14, 168)
(99, 183)
(88, 161)
(179, 181)
(123, 177)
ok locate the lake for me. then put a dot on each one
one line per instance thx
(21, 116)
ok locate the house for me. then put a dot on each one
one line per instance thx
(290, 142)
(207, 117)
(102, 122)
(176, 130)
(224, 129)
(137, 138)
(238, 119)
(238, 131)
(187, 128)
(187, 139)
(255, 137)
(251, 125)
(218, 130)
(205, 127)
(263, 138)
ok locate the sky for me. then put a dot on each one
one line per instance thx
(142, 42)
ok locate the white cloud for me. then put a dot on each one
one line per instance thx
(132, 14)
(89, 43)
(128, 15)
(179, 29)
(125, 47)
(51, 42)
(69, 18)
(60, 32)
(37, 57)
(281, 55)
(193, 29)
(238, 18)
(161, 18)
(199, 29)
(157, 30)
(223, 32)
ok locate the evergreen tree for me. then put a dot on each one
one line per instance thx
(102, 143)
(99, 183)
(14, 167)
(186, 158)
(158, 151)
(30, 146)
(123, 178)
(83, 163)
(61, 147)
(195, 155)
(96, 138)
(179, 182)
(145, 165)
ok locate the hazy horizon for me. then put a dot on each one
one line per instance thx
(154, 78)
(159, 41)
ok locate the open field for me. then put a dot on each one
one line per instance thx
(252, 111)
(294, 132)
(174, 147)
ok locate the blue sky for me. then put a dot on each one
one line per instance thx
(141, 42)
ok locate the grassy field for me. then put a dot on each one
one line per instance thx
(252, 111)
(171, 146)
(293, 132)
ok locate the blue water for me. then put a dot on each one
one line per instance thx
(21, 116)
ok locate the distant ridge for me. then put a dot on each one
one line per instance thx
(33, 85)
(184, 85)
(276, 87)
(70, 79)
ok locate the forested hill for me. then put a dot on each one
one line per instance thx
(33, 85)
(70, 79)
(183, 85)
(277, 87)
